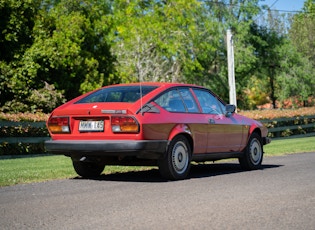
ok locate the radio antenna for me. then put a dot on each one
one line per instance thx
(141, 96)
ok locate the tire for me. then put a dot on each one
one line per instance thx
(175, 165)
(253, 153)
(88, 169)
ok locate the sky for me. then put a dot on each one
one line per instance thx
(284, 5)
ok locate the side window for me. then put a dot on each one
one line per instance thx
(189, 101)
(208, 102)
(178, 100)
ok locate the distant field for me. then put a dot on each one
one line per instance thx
(30, 169)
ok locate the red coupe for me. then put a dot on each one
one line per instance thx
(164, 124)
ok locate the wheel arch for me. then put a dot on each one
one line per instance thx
(253, 129)
(182, 129)
(251, 132)
(256, 130)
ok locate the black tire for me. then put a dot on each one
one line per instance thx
(175, 165)
(253, 153)
(88, 169)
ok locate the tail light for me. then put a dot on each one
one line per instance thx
(124, 124)
(59, 125)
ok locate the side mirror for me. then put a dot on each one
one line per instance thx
(230, 109)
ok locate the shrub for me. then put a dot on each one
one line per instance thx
(45, 99)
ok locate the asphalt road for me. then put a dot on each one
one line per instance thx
(216, 196)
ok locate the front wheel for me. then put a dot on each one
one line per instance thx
(88, 169)
(175, 165)
(253, 153)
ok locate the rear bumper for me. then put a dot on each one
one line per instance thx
(148, 149)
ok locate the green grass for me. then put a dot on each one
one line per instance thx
(288, 146)
(30, 169)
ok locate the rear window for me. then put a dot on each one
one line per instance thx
(117, 94)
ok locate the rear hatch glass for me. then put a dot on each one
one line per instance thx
(127, 94)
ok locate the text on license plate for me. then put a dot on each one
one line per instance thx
(91, 126)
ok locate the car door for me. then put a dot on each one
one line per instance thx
(184, 110)
(224, 133)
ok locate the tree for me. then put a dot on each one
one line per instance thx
(155, 39)
(302, 31)
(295, 57)
(182, 40)
(266, 42)
(237, 15)
(17, 19)
(70, 50)
(296, 79)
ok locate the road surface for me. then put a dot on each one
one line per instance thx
(216, 196)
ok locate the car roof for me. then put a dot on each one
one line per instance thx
(158, 84)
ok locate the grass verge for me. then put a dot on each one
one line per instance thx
(288, 146)
(30, 169)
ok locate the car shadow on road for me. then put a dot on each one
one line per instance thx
(197, 171)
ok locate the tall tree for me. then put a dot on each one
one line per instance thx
(302, 32)
(237, 15)
(156, 40)
(70, 50)
(17, 19)
(301, 76)
(266, 42)
(182, 40)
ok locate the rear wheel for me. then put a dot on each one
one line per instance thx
(253, 154)
(88, 169)
(175, 165)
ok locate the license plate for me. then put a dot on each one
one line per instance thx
(91, 126)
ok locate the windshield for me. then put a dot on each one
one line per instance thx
(117, 94)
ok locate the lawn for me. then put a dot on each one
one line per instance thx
(29, 169)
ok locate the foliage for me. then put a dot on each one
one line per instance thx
(34, 117)
(45, 99)
(39, 100)
(300, 76)
(302, 31)
(21, 148)
(17, 18)
(55, 50)
(278, 113)
(160, 41)
(69, 49)
(23, 131)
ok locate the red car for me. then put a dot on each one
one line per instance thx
(164, 124)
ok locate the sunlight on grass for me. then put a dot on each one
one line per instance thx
(42, 168)
(287, 146)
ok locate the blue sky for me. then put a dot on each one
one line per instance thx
(286, 5)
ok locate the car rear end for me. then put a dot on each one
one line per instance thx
(103, 124)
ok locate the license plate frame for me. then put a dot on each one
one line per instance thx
(91, 126)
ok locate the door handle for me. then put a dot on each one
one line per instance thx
(211, 121)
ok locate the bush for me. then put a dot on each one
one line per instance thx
(275, 118)
(43, 100)
(22, 130)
